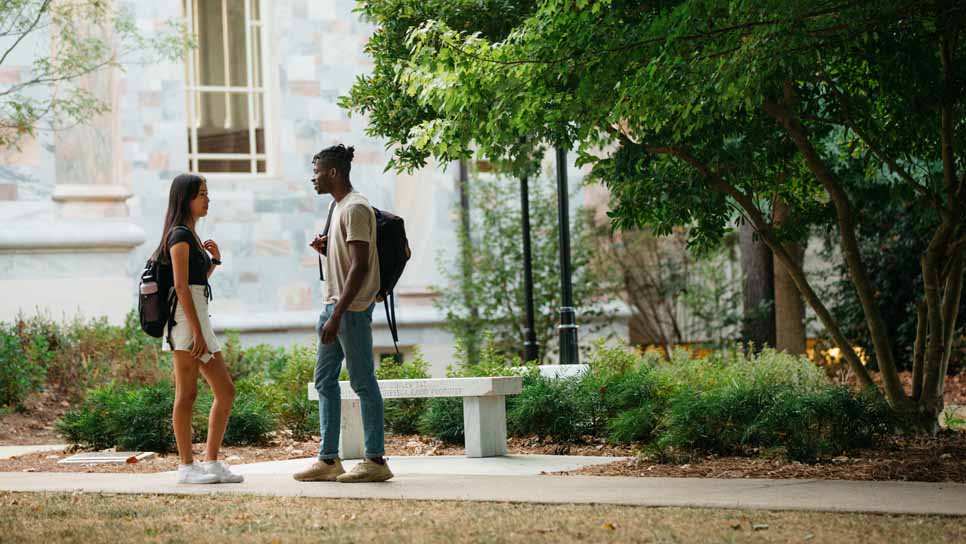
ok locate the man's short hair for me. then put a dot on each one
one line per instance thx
(336, 156)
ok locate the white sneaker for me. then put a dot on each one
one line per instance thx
(220, 470)
(195, 474)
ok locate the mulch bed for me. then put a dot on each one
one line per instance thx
(940, 459)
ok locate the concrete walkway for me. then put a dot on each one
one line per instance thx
(6, 452)
(507, 465)
(507, 481)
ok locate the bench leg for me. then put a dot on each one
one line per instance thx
(351, 441)
(484, 423)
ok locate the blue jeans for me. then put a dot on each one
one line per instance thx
(354, 344)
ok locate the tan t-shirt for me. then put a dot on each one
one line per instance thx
(352, 220)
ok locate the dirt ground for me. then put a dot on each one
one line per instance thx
(35, 425)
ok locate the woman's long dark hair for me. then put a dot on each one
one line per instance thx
(184, 189)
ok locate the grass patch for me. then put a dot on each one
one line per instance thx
(63, 517)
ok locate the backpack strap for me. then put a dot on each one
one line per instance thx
(325, 232)
(390, 302)
(173, 302)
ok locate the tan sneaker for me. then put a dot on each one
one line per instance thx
(367, 471)
(321, 472)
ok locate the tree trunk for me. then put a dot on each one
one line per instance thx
(789, 306)
(850, 249)
(798, 275)
(758, 289)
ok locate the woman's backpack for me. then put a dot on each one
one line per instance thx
(155, 304)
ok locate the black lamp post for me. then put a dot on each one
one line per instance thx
(569, 353)
(531, 351)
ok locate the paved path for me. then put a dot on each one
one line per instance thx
(6, 452)
(450, 484)
(507, 465)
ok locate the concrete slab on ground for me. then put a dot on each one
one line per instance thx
(6, 452)
(507, 465)
(814, 495)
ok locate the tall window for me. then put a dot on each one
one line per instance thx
(226, 92)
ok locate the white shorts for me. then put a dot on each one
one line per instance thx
(181, 335)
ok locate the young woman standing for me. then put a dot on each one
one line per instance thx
(190, 334)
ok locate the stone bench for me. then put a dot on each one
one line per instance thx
(484, 409)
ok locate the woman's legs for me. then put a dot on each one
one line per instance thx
(216, 373)
(185, 392)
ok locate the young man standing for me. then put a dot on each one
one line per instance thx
(345, 326)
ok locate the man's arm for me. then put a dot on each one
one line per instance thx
(358, 268)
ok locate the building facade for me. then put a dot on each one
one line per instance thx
(82, 209)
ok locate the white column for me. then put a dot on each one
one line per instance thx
(484, 423)
(351, 438)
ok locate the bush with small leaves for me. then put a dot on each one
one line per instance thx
(443, 419)
(141, 418)
(19, 375)
(402, 415)
(90, 424)
(293, 409)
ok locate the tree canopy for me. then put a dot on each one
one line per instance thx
(79, 38)
(701, 112)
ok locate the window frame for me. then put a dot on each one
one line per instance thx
(268, 91)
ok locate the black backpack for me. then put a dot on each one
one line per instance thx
(394, 252)
(154, 297)
(156, 300)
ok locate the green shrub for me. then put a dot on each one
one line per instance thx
(633, 425)
(267, 360)
(251, 419)
(294, 410)
(729, 403)
(620, 395)
(141, 418)
(443, 419)
(78, 355)
(260, 361)
(715, 421)
(551, 407)
(300, 416)
(402, 415)
(19, 375)
(138, 417)
(733, 405)
(233, 354)
(824, 423)
(614, 399)
(129, 417)
(92, 423)
(624, 393)
(491, 361)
